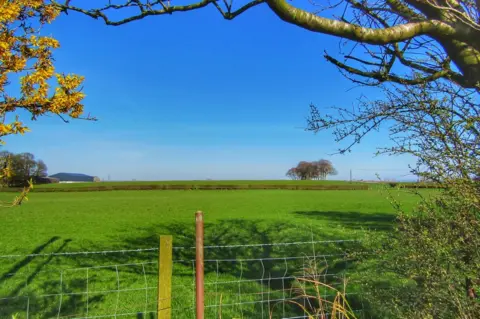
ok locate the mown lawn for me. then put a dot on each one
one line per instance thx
(56, 286)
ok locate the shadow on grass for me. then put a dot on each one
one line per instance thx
(245, 260)
(19, 297)
(27, 260)
(250, 274)
(352, 219)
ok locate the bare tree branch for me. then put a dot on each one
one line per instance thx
(166, 9)
(386, 76)
(450, 28)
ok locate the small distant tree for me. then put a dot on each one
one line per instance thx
(27, 165)
(323, 169)
(22, 168)
(305, 170)
(312, 170)
(292, 173)
(42, 169)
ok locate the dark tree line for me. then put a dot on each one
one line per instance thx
(23, 167)
(317, 170)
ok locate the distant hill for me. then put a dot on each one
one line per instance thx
(73, 177)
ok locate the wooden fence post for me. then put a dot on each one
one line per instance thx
(199, 265)
(164, 305)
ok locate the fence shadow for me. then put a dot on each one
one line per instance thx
(19, 294)
(229, 252)
(255, 260)
(26, 260)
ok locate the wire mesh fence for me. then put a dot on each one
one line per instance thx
(266, 280)
(299, 279)
(44, 288)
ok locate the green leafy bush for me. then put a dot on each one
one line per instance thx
(434, 256)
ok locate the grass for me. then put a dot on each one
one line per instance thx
(87, 221)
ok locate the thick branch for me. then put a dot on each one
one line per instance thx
(425, 7)
(467, 58)
(404, 10)
(353, 32)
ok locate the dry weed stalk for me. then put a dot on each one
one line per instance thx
(308, 297)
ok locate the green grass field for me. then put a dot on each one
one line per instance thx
(96, 221)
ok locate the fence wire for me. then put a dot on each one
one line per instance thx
(265, 280)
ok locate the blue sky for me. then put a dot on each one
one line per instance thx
(192, 96)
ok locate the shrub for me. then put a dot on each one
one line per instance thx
(433, 257)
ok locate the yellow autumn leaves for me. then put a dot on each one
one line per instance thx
(13, 128)
(12, 11)
(9, 11)
(27, 55)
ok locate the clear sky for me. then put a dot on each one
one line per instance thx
(193, 96)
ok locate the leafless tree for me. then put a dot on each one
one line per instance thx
(312, 170)
(41, 169)
(323, 168)
(292, 173)
(436, 122)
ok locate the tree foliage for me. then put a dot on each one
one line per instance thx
(433, 258)
(433, 39)
(434, 250)
(27, 55)
(438, 250)
(41, 169)
(312, 170)
(24, 167)
(24, 52)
